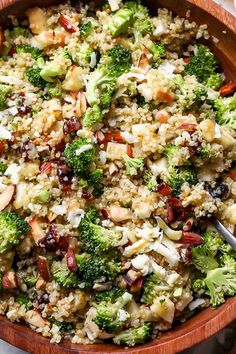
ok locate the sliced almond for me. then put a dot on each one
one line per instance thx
(40, 284)
(34, 318)
(6, 197)
(118, 214)
(143, 61)
(80, 105)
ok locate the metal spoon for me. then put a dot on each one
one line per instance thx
(228, 236)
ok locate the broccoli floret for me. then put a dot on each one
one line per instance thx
(96, 238)
(83, 54)
(141, 24)
(35, 52)
(86, 29)
(170, 153)
(54, 89)
(228, 261)
(206, 153)
(3, 167)
(199, 286)
(92, 116)
(111, 317)
(94, 179)
(134, 336)
(4, 91)
(102, 82)
(120, 21)
(203, 64)
(66, 328)
(30, 280)
(33, 75)
(132, 164)
(108, 295)
(55, 68)
(42, 196)
(91, 215)
(178, 176)
(12, 230)
(226, 111)
(79, 154)
(190, 99)
(153, 287)
(150, 181)
(24, 300)
(19, 31)
(220, 282)
(93, 267)
(215, 81)
(203, 258)
(158, 50)
(63, 276)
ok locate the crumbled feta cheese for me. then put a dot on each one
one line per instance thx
(83, 149)
(123, 315)
(142, 263)
(4, 133)
(166, 69)
(129, 138)
(13, 111)
(75, 216)
(160, 28)
(59, 209)
(196, 303)
(102, 156)
(12, 80)
(13, 171)
(114, 4)
(93, 60)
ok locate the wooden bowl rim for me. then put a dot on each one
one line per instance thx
(207, 323)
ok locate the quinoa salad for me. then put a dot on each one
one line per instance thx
(117, 146)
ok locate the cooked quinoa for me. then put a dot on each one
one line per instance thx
(117, 147)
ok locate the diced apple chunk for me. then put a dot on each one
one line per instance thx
(163, 307)
(37, 231)
(118, 214)
(9, 280)
(74, 79)
(37, 20)
(115, 151)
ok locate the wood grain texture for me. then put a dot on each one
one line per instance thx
(222, 26)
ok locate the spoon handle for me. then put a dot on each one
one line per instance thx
(228, 236)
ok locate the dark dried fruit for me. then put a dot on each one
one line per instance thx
(220, 190)
(64, 173)
(71, 125)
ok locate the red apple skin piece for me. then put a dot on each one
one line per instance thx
(37, 231)
(43, 268)
(9, 280)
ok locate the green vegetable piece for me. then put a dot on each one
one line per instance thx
(120, 21)
(63, 276)
(134, 336)
(132, 164)
(12, 230)
(24, 300)
(4, 91)
(43, 196)
(226, 111)
(154, 287)
(86, 29)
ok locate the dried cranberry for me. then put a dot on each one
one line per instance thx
(105, 214)
(22, 110)
(50, 240)
(43, 298)
(60, 147)
(220, 190)
(164, 189)
(86, 195)
(64, 173)
(27, 150)
(71, 125)
(63, 243)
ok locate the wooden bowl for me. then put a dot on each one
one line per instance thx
(222, 27)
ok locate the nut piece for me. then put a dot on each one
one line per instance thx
(6, 197)
(43, 268)
(34, 318)
(118, 214)
(40, 284)
(9, 280)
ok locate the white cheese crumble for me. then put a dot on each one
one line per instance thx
(4, 133)
(13, 171)
(83, 149)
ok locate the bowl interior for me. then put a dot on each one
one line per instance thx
(209, 321)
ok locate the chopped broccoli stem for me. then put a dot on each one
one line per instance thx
(134, 336)
(120, 21)
(42, 196)
(3, 167)
(12, 230)
(132, 164)
(79, 154)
